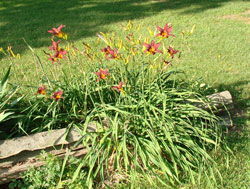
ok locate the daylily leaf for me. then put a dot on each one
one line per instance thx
(4, 83)
(150, 32)
(4, 115)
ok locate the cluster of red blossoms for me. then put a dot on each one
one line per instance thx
(102, 74)
(151, 48)
(59, 53)
(56, 96)
(164, 33)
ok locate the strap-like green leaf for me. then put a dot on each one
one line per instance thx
(4, 83)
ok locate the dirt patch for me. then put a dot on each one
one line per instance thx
(239, 17)
(246, 13)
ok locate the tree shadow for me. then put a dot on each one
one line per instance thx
(31, 19)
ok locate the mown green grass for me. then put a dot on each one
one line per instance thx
(218, 49)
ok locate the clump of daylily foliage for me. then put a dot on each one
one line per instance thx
(147, 124)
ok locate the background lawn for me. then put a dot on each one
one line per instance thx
(219, 47)
(218, 51)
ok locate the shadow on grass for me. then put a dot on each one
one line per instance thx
(32, 19)
(238, 137)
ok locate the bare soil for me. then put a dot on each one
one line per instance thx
(239, 17)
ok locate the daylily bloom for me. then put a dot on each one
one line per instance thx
(113, 54)
(52, 59)
(102, 74)
(55, 45)
(119, 88)
(165, 32)
(106, 50)
(58, 55)
(41, 90)
(171, 52)
(57, 32)
(152, 48)
(57, 95)
(59, 52)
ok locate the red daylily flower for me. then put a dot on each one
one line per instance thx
(55, 45)
(41, 90)
(57, 95)
(152, 48)
(58, 55)
(119, 88)
(57, 32)
(171, 52)
(113, 54)
(165, 32)
(59, 52)
(52, 59)
(102, 74)
(106, 50)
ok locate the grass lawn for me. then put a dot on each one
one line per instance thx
(218, 51)
(219, 47)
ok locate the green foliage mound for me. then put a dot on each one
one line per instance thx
(148, 122)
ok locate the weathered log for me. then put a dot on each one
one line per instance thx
(17, 154)
(13, 167)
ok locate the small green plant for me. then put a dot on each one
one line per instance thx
(52, 174)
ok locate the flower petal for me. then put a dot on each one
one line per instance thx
(159, 51)
(60, 27)
(160, 29)
(159, 34)
(157, 45)
(153, 43)
(166, 27)
(169, 30)
(146, 45)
